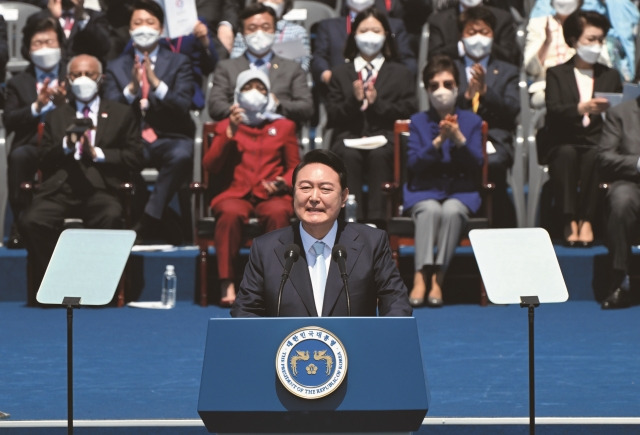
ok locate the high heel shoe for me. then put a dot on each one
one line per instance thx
(435, 302)
(225, 300)
(416, 302)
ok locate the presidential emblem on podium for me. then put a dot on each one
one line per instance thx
(311, 362)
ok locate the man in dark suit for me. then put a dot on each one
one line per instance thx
(489, 87)
(315, 287)
(30, 96)
(619, 157)
(331, 37)
(158, 84)
(85, 31)
(81, 173)
(445, 34)
(288, 80)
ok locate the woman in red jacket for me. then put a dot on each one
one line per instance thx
(262, 148)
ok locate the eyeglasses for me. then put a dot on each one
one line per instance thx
(448, 84)
(92, 75)
(39, 43)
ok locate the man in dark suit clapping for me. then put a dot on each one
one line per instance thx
(82, 172)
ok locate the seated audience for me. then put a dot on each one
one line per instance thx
(366, 96)
(84, 30)
(262, 149)
(444, 160)
(30, 96)
(82, 177)
(489, 87)
(620, 45)
(286, 32)
(332, 34)
(158, 84)
(445, 34)
(574, 123)
(545, 46)
(619, 158)
(289, 87)
(221, 17)
(413, 13)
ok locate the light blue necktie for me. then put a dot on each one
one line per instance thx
(319, 276)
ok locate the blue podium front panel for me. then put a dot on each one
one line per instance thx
(384, 388)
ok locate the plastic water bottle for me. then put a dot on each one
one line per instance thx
(351, 209)
(169, 284)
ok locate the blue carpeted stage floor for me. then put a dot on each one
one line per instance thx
(137, 364)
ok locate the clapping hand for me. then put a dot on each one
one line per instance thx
(477, 83)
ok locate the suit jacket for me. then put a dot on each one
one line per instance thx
(254, 154)
(93, 39)
(448, 172)
(169, 116)
(396, 99)
(331, 37)
(117, 134)
(444, 35)
(374, 280)
(20, 94)
(499, 106)
(564, 124)
(619, 146)
(288, 83)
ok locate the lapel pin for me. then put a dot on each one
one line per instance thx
(496, 72)
(272, 131)
(104, 115)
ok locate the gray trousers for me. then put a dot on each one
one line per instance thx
(437, 225)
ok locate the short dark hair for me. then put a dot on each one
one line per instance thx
(389, 49)
(288, 5)
(325, 157)
(575, 23)
(478, 13)
(35, 25)
(150, 6)
(255, 9)
(439, 63)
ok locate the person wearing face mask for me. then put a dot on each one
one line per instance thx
(332, 34)
(286, 32)
(158, 84)
(574, 124)
(84, 31)
(30, 96)
(545, 46)
(444, 160)
(262, 149)
(489, 87)
(445, 34)
(289, 87)
(81, 177)
(365, 98)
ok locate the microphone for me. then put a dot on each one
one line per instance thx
(339, 254)
(291, 255)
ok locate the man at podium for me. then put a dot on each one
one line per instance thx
(321, 266)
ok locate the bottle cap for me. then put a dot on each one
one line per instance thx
(351, 196)
(170, 268)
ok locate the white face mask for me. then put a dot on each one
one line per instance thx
(369, 43)
(84, 88)
(360, 5)
(443, 99)
(46, 58)
(477, 46)
(564, 7)
(589, 53)
(260, 42)
(144, 37)
(278, 7)
(470, 3)
(253, 100)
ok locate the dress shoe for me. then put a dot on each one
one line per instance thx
(15, 239)
(618, 299)
(416, 302)
(570, 243)
(435, 302)
(4, 414)
(586, 244)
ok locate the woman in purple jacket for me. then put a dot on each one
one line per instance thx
(444, 160)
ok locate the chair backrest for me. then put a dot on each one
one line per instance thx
(16, 14)
(316, 12)
(400, 141)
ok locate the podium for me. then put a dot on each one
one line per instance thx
(384, 388)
